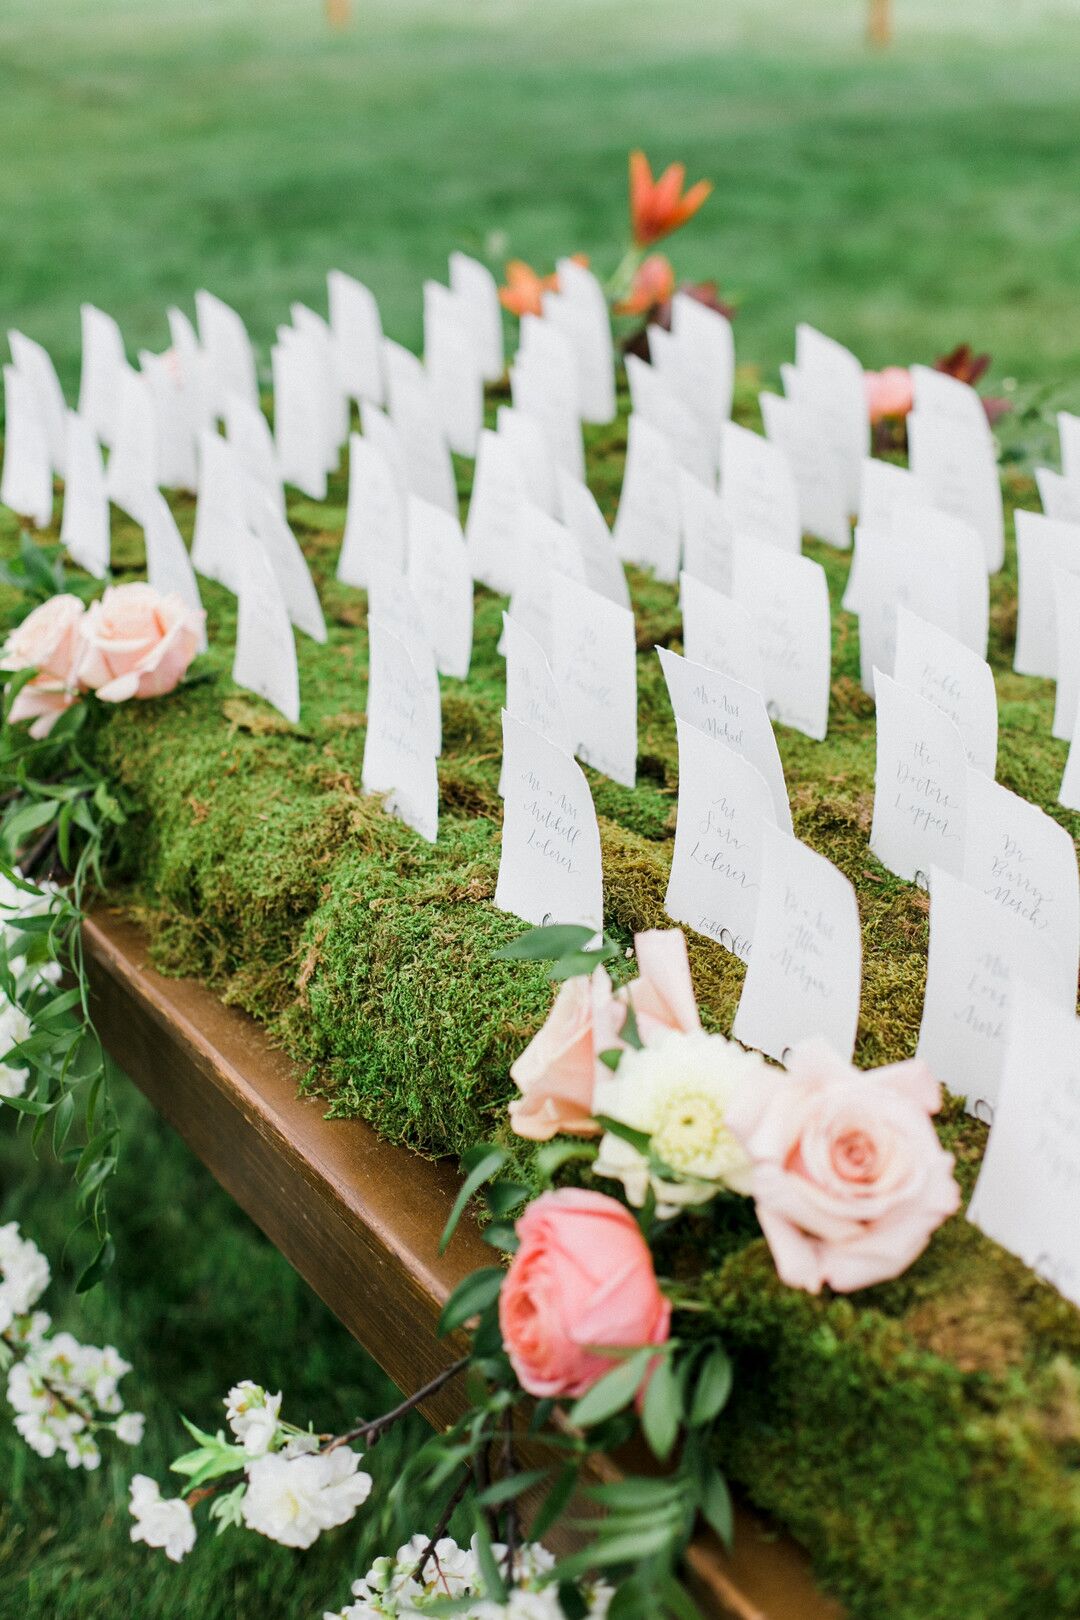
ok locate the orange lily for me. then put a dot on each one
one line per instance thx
(658, 207)
(653, 284)
(525, 289)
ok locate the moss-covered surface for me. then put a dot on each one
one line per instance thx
(922, 1438)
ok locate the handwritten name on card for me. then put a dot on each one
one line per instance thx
(441, 581)
(729, 712)
(531, 693)
(549, 867)
(724, 803)
(707, 534)
(265, 658)
(543, 547)
(498, 494)
(805, 973)
(400, 745)
(920, 785)
(1043, 546)
(978, 955)
(1022, 861)
(582, 516)
(646, 528)
(958, 465)
(787, 596)
(719, 632)
(595, 666)
(945, 672)
(758, 488)
(1029, 1184)
(823, 476)
(657, 403)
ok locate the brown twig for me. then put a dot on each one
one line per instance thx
(508, 1466)
(30, 864)
(369, 1432)
(440, 1529)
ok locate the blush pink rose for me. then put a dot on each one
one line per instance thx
(41, 701)
(557, 1072)
(889, 392)
(663, 996)
(582, 1279)
(848, 1175)
(137, 643)
(48, 640)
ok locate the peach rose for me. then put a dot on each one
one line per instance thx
(663, 996)
(41, 701)
(889, 392)
(48, 640)
(557, 1071)
(137, 643)
(582, 1278)
(848, 1174)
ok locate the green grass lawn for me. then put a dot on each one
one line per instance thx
(903, 202)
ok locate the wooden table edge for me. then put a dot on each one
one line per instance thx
(356, 1216)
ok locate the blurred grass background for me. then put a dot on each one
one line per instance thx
(903, 201)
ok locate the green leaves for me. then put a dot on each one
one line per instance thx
(712, 1386)
(566, 945)
(612, 1392)
(480, 1164)
(213, 1457)
(662, 1409)
(472, 1297)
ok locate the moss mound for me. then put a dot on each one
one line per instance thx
(923, 1439)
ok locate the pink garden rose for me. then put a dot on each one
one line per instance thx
(848, 1176)
(137, 643)
(889, 393)
(582, 1278)
(558, 1071)
(47, 640)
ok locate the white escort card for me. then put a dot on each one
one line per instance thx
(719, 632)
(1043, 546)
(531, 693)
(174, 423)
(699, 363)
(920, 785)
(724, 807)
(478, 296)
(315, 337)
(543, 546)
(248, 432)
(400, 748)
(942, 670)
(584, 519)
(899, 572)
(885, 488)
(652, 399)
(221, 512)
(958, 465)
(805, 971)
(1066, 587)
(527, 439)
(646, 531)
(192, 375)
(265, 658)
(498, 494)
(375, 529)
(299, 421)
(979, 954)
(1069, 792)
(594, 661)
(453, 368)
(429, 470)
(961, 569)
(103, 364)
(787, 596)
(168, 566)
(831, 384)
(84, 528)
(131, 474)
(822, 475)
(951, 400)
(544, 385)
(441, 581)
(1025, 1197)
(731, 713)
(36, 366)
(1069, 434)
(579, 310)
(358, 337)
(392, 603)
(758, 488)
(549, 865)
(290, 565)
(1024, 862)
(1060, 496)
(707, 534)
(26, 483)
(226, 347)
(380, 432)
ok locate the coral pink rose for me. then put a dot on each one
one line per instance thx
(889, 393)
(557, 1070)
(663, 996)
(137, 643)
(582, 1279)
(848, 1174)
(48, 640)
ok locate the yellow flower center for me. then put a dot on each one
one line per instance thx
(691, 1132)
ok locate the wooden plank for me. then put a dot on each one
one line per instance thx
(357, 1217)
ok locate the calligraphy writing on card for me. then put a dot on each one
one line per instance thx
(549, 866)
(399, 746)
(920, 785)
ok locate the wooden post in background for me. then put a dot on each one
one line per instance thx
(879, 23)
(338, 13)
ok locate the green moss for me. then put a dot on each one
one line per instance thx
(922, 1438)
